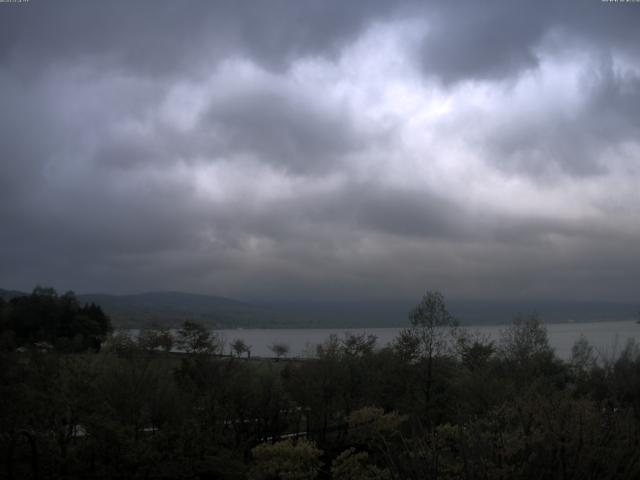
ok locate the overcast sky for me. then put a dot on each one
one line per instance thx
(321, 149)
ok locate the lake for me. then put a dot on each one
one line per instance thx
(607, 338)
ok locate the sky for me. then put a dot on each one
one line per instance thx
(334, 150)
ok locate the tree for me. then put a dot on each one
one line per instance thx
(121, 342)
(474, 349)
(428, 336)
(239, 347)
(406, 346)
(526, 354)
(357, 345)
(195, 338)
(525, 339)
(582, 355)
(286, 460)
(279, 349)
(352, 465)
(155, 338)
(373, 427)
(429, 321)
(46, 318)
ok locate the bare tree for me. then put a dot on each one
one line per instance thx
(429, 335)
(155, 338)
(524, 339)
(279, 349)
(195, 338)
(240, 347)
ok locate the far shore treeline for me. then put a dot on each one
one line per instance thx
(78, 401)
(47, 321)
(170, 309)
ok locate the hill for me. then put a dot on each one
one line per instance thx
(171, 308)
(9, 294)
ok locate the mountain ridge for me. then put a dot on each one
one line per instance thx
(170, 308)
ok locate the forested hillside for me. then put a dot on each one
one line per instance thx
(171, 308)
(49, 321)
(438, 403)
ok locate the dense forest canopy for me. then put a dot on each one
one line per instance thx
(440, 402)
(49, 320)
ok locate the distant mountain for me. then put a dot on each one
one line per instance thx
(394, 313)
(550, 311)
(172, 308)
(9, 294)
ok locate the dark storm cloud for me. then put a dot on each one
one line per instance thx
(283, 147)
(291, 131)
(483, 39)
(465, 40)
(270, 120)
(166, 37)
(496, 39)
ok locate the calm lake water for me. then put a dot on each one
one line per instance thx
(608, 338)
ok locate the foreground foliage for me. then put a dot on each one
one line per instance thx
(439, 403)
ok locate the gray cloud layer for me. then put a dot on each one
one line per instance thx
(488, 149)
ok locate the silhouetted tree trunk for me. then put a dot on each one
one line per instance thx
(10, 457)
(34, 454)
